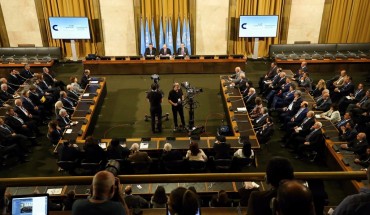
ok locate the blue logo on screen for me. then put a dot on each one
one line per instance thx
(244, 26)
(55, 27)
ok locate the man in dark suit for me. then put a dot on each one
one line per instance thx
(313, 141)
(169, 154)
(29, 105)
(67, 103)
(276, 83)
(165, 51)
(323, 104)
(260, 121)
(182, 50)
(347, 117)
(155, 99)
(85, 79)
(250, 98)
(300, 130)
(14, 80)
(72, 95)
(138, 156)
(221, 148)
(268, 76)
(63, 119)
(353, 98)
(277, 170)
(284, 99)
(134, 202)
(8, 137)
(344, 90)
(264, 134)
(68, 152)
(4, 93)
(150, 51)
(362, 106)
(50, 79)
(358, 147)
(19, 125)
(290, 122)
(26, 73)
(347, 133)
(24, 114)
(292, 108)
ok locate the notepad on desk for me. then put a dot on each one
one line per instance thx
(103, 145)
(68, 131)
(144, 145)
(318, 116)
(54, 191)
(241, 109)
(94, 82)
(86, 94)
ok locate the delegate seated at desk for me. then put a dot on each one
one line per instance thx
(165, 51)
(150, 51)
(182, 50)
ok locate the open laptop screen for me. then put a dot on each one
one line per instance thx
(30, 205)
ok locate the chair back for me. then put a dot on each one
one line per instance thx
(175, 166)
(196, 166)
(140, 167)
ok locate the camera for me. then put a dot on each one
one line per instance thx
(191, 91)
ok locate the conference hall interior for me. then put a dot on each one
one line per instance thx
(204, 95)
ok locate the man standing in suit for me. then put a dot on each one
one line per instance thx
(155, 99)
(165, 51)
(150, 51)
(221, 148)
(182, 50)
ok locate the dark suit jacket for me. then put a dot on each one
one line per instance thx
(14, 81)
(117, 152)
(84, 81)
(63, 123)
(260, 121)
(94, 153)
(69, 153)
(139, 157)
(345, 90)
(147, 51)
(307, 126)
(26, 74)
(29, 106)
(270, 74)
(55, 136)
(179, 52)
(161, 52)
(263, 135)
(5, 96)
(358, 147)
(66, 104)
(21, 114)
(301, 116)
(259, 202)
(316, 139)
(250, 101)
(73, 97)
(49, 78)
(134, 201)
(222, 150)
(359, 95)
(13, 123)
(323, 105)
(171, 155)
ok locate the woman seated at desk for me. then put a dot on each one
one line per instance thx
(195, 153)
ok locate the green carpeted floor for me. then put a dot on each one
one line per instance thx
(125, 106)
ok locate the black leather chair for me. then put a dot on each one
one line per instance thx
(140, 167)
(239, 163)
(176, 166)
(196, 166)
(125, 166)
(68, 166)
(88, 168)
(221, 165)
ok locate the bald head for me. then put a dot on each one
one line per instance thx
(103, 184)
(294, 198)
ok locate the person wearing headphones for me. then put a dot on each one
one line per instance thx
(155, 99)
(176, 98)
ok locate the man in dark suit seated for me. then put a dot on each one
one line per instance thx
(41, 100)
(344, 90)
(260, 121)
(169, 154)
(300, 130)
(5, 95)
(72, 95)
(363, 160)
(138, 156)
(323, 104)
(292, 108)
(24, 114)
(269, 76)
(182, 50)
(311, 142)
(221, 148)
(116, 151)
(361, 107)
(348, 132)
(277, 170)
(150, 51)
(290, 122)
(264, 134)
(93, 153)
(67, 103)
(20, 126)
(134, 202)
(50, 79)
(26, 73)
(63, 119)
(281, 100)
(249, 99)
(347, 117)
(275, 84)
(68, 152)
(85, 79)
(29, 105)
(8, 137)
(353, 98)
(358, 146)
(165, 51)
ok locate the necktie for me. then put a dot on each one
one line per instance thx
(304, 121)
(363, 100)
(318, 98)
(259, 119)
(38, 87)
(357, 92)
(299, 112)
(29, 100)
(150, 51)
(291, 105)
(19, 119)
(24, 110)
(6, 128)
(182, 51)
(165, 51)
(65, 120)
(310, 135)
(69, 101)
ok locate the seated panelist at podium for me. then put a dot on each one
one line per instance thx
(150, 51)
(165, 51)
(182, 50)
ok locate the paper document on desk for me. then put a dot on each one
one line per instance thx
(55, 191)
(68, 131)
(241, 109)
(94, 82)
(144, 145)
(103, 145)
(349, 97)
(86, 94)
(318, 116)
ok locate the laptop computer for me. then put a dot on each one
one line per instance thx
(30, 204)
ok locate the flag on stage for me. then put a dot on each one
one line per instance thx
(178, 39)
(161, 36)
(154, 41)
(147, 35)
(183, 39)
(142, 38)
(169, 39)
(188, 42)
